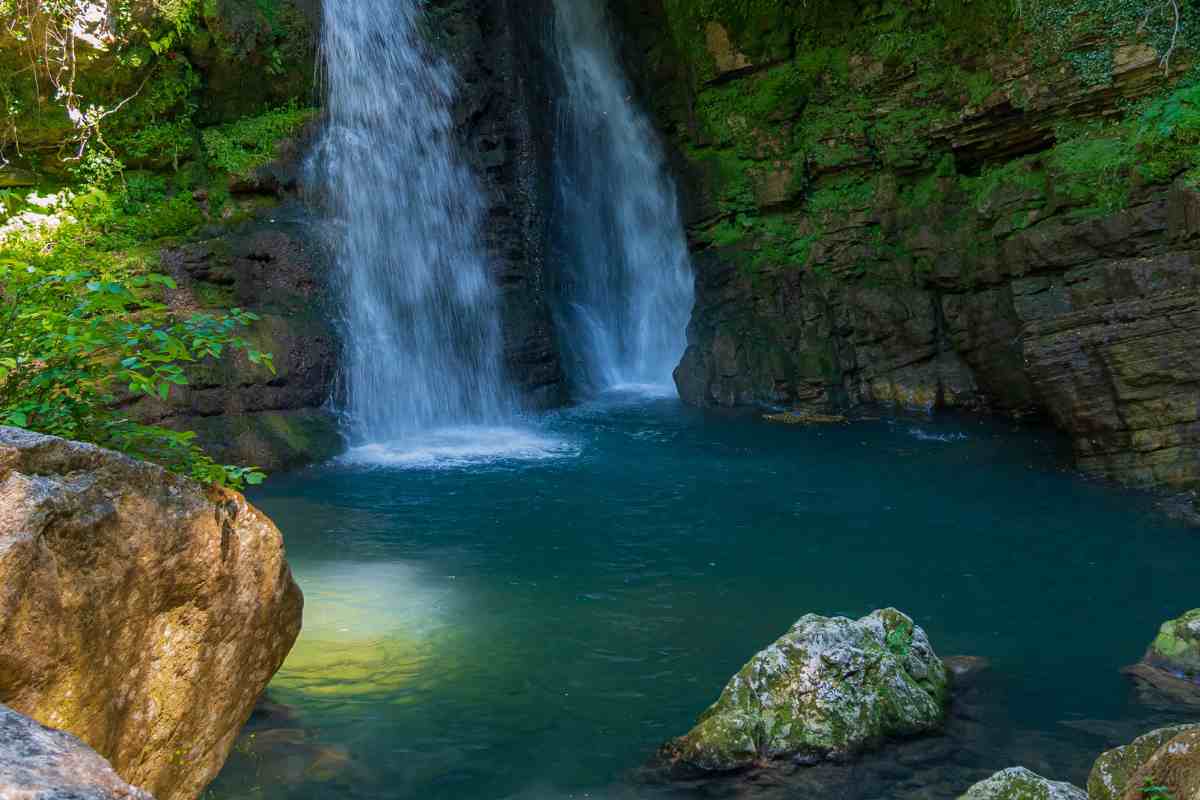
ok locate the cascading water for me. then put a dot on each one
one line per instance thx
(421, 319)
(628, 288)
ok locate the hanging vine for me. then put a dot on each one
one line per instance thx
(54, 36)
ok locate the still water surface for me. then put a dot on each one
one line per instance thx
(528, 612)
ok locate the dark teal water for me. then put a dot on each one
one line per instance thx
(536, 626)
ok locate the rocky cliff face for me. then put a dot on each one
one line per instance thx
(275, 266)
(892, 206)
(140, 611)
(496, 46)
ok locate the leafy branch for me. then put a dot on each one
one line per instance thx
(74, 346)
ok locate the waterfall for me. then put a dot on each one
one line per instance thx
(627, 290)
(421, 319)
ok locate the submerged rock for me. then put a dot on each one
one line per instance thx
(139, 610)
(40, 763)
(1121, 771)
(966, 669)
(1018, 783)
(1161, 689)
(826, 688)
(806, 418)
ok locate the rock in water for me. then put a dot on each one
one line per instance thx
(1121, 772)
(1176, 649)
(40, 763)
(827, 688)
(1169, 672)
(139, 610)
(1018, 783)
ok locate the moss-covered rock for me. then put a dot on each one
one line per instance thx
(1177, 646)
(827, 688)
(136, 81)
(1018, 783)
(1174, 769)
(1114, 771)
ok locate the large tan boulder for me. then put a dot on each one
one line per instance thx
(139, 611)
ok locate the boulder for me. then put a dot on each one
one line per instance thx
(1169, 672)
(1122, 770)
(1175, 767)
(140, 611)
(40, 763)
(1018, 783)
(1176, 649)
(828, 687)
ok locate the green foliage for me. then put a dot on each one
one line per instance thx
(161, 143)
(1093, 170)
(843, 195)
(1058, 25)
(1168, 136)
(242, 146)
(83, 329)
(1152, 791)
(73, 345)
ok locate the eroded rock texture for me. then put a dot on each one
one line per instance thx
(976, 226)
(1168, 757)
(829, 687)
(503, 118)
(244, 414)
(139, 611)
(40, 763)
(1018, 783)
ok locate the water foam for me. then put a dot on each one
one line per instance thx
(461, 446)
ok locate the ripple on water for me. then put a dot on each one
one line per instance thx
(928, 436)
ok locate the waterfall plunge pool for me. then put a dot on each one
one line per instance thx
(533, 623)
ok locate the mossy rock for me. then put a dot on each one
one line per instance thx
(1018, 783)
(829, 687)
(1112, 773)
(272, 440)
(1177, 646)
(1173, 768)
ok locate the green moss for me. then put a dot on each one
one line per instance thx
(242, 146)
(1092, 171)
(1059, 25)
(902, 138)
(1167, 138)
(897, 31)
(842, 195)
(835, 133)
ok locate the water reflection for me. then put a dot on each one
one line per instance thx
(368, 630)
(536, 628)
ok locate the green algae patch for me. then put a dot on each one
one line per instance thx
(829, 687)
